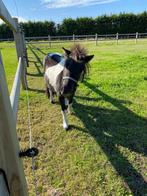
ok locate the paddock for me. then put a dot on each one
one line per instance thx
(104, 153)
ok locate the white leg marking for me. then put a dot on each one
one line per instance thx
(65, 123)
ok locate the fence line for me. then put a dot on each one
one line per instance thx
(10, 162)
(100, 37)
(12, 178)
(83, 38)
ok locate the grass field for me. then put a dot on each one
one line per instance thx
(105, 151)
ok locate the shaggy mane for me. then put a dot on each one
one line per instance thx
(78, 53)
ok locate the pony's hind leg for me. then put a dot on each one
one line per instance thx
(47, 91)
(51, 96)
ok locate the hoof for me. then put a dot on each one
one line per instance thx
(52, 102)
(66, 128)
(71, 112)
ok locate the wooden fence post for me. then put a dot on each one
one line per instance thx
(73, 38)
(25, 47)
(49, 39)
(117, 37)
(10, 163)
(136, 37)
(20, 48)
(96, 39)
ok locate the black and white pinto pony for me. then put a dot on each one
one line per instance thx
(62, 73)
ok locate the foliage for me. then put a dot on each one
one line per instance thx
(122, 23)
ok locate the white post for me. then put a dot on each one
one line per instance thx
(117, 37)
(18, 37)
(136, 37)
(10, 162)
(14, 96)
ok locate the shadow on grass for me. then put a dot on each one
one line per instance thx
(36, 90)
(37, 63)
(35, 54)
(35, 75)
(41, 51)
(38, 68)
(114, 128)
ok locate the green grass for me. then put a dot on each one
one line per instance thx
(105, 151)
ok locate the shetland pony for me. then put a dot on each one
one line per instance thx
(62, 73)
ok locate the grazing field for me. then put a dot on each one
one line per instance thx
(104, 152)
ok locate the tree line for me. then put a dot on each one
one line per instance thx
(122, 23)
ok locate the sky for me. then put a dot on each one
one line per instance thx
(57, 10)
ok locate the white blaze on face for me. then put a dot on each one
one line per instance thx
(53, 72)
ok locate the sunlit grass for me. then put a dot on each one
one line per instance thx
(105, 151)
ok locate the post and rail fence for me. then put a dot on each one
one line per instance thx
(96, 38)
(12, 178)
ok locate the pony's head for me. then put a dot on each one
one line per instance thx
(76, 66)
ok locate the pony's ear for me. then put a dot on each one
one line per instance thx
(88, 58)
(67, 52)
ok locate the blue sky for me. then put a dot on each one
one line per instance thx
(57, 10)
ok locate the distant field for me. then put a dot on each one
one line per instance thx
(105, 152)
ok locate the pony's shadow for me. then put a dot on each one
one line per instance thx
(112, 129)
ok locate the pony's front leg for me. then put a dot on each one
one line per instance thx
(64, 107)
(70, 108)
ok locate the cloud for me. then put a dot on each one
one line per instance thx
(21, 19)
(71, 3)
